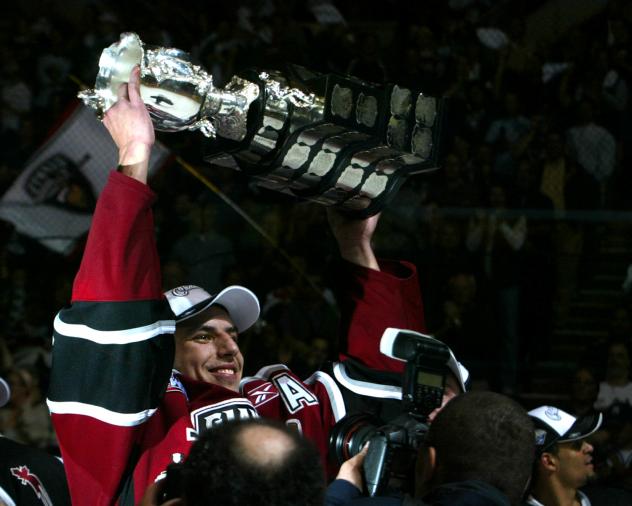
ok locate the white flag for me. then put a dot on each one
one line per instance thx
(53, 199)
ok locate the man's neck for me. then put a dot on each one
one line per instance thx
(553, 493)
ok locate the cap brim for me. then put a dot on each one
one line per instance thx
(582, 428)
(459, 370)
(241, 304)
(5, 392)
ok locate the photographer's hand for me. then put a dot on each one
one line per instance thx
(351, 470)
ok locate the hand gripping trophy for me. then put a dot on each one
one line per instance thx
(326, 138)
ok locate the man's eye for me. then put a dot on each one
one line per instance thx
(204, 337)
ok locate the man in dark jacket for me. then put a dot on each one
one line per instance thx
(479, 451)
(28, 475)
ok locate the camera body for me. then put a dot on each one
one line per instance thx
(393, 446)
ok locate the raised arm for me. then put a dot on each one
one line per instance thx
(113, 346)
(372, 294)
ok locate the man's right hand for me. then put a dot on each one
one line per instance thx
(130, 126)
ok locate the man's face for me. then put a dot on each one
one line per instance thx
(207, 349)
(618, 357)
(575, 463)
(451, 390)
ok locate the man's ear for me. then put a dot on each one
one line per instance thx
(425, 470)
(548, 461)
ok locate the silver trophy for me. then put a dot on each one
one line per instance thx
(331, 139)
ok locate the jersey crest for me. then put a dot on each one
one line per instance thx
(213, 415)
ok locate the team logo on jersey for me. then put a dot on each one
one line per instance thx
(213, 415)
(263, 394)
(294, 394)
(27, 478)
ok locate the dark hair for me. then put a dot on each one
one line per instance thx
(220, 469)
(484, 436)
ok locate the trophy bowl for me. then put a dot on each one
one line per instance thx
(173, 89)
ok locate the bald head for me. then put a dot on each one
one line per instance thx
(254, 462)
(263, 445)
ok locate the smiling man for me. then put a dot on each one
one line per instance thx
(140, 374)
(207, 330)
(563, 457)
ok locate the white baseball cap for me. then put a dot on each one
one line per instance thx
(242, 305)
(553, 425)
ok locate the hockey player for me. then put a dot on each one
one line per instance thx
(121, 411)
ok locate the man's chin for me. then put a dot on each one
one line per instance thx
(591, 476)
(231, 383)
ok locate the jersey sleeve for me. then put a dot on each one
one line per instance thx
(371, 301)
(113, 346)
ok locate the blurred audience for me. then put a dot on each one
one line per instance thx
(500, 234)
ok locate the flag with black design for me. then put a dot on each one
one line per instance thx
(53, 198)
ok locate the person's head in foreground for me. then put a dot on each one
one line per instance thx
(564, 457)
(256, 463)
(478, 437)
(207, 332)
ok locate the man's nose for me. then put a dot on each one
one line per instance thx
(588, 448)
(226, 345)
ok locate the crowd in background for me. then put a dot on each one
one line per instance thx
(503, 236)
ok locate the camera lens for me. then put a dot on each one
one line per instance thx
(348, 436)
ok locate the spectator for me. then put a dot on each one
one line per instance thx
(566, 185)
(583, 392)
(498, 238)
(594, 150)
(564, 461)
(616, 471)
(29, 476)
(255, 463)
(505, 134)
(616, 387)
(26, 419)
(466, 326)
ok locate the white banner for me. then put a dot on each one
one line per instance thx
(53, 199)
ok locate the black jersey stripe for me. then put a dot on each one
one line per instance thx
(123, 378)
(111, 316)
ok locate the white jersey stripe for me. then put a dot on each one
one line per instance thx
(364, 387)
(126, 336)
(335, 396)
(105, 415)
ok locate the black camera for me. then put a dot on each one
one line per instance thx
(394, 445)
